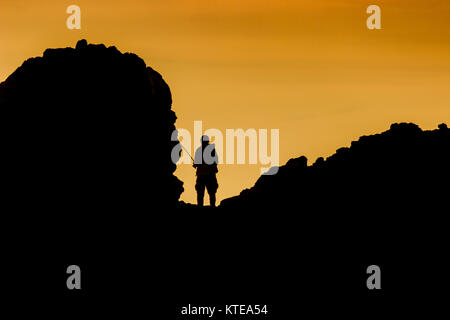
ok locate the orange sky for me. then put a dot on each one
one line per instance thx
(308, 68)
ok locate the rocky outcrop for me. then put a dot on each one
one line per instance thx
(90, 126)
(402, 169)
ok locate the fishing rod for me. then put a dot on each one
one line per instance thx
(186, 151)
(182, 147)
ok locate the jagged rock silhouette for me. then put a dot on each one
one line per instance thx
(401, 169)
(89, 126)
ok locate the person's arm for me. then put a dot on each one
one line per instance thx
(216, 161)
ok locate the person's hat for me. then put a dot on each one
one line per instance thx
(205, 139)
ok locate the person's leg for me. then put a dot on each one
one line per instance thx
(211, 186)
(200, 196)
(212, 199)
(200, 187)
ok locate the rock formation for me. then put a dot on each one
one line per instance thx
(401, 169)
(89, 127)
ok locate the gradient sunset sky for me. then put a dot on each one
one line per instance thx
(308, 68)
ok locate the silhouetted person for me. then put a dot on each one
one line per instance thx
(206, 164)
